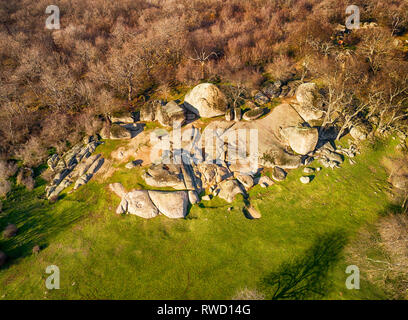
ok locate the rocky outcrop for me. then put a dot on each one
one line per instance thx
(77, 165)
(301, 139)
(206, 100)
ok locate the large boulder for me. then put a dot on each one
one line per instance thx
(121, 117)
(359, 132)
(302, 140)
(149, 110)
(119, 132)
(206, 100)
(229, 189)
(138, 202)
(171, 115)
(307, 96)
(246, 180)
(162, 175)
(173, 205)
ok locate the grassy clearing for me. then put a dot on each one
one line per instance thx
(212, 254)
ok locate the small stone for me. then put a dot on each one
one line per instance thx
(230, 209)
(206, 197)
(308, 170)
(318, 169)
(305, 180)
(251, 213)
(352, 162)
(265, 182)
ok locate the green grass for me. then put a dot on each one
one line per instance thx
(211, 254)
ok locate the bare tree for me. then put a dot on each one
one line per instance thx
(202, 57)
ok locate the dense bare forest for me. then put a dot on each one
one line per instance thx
(57, 85)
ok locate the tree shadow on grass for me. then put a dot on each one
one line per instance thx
(306, 277)
(37, 220)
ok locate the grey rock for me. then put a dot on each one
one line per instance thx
(265, 181)
(206, 100)
(173, 205)
(229, 189)
(253, 114)
(139, 203)
(246, 180)
(193, 197)
(261, 98)
(278, 174)
(305, 180)
(118, 189)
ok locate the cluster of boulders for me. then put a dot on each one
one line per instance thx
(77, 165)
(285, 140)
(277, 89)
(149, 204)
(170, 114)
(122, 125)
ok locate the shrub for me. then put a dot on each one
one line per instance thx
(5, 187)
(25, 178)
